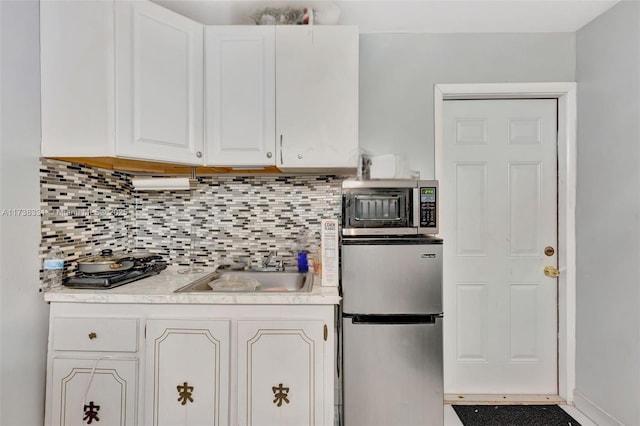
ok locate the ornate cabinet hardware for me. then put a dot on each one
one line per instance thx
(184, 393)
(92, 335)
(281, 394)
(90, 413)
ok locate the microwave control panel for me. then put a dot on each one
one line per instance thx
(428, 206)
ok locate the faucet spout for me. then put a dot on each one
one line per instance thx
(267, 264)
(267, 260)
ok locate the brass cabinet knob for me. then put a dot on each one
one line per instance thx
(93, 335)
(551, 272)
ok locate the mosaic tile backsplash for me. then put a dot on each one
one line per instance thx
(222, 219)
(84, 210)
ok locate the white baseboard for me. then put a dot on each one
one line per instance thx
(595, 413)
(502, 399)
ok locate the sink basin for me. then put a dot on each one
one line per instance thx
(267, 282)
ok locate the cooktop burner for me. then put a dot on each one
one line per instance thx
(103, 281)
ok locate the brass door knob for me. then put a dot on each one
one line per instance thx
(551, 271)
(92, 335)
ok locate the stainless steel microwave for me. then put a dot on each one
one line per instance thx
(389, 207)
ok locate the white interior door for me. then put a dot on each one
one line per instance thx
(499, 213)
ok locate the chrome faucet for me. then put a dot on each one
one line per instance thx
(267, 260)
(267, 265)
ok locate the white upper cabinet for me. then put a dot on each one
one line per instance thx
(159, 80)
(129, 79)
(121, 79)
(240, 95)
(77, 81)
(282, 95)
(317, 96)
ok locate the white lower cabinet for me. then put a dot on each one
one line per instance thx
(187, 372)
(154, 364)
(280, 372)
(98, 390)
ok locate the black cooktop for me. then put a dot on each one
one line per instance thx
(113, 279)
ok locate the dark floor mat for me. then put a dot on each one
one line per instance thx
(514, 415)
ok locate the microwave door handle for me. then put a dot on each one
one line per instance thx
(416, 207)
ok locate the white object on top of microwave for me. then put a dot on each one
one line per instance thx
(389, 166)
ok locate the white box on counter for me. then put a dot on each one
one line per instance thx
(330, 252)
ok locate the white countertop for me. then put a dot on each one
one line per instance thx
(160, 289)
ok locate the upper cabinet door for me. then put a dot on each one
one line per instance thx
(240, 95)
(77, 86)
(159, 79)
(317, 96)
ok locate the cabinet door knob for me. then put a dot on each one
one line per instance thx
(299, 156)
(269, 155)
(93, 335)
(199, 154)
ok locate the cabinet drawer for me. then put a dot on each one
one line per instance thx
(95, 334)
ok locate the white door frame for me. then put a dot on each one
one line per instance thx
(567, 160)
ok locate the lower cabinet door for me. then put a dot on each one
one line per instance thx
(280, 373)
(187, 372)
(96, 391)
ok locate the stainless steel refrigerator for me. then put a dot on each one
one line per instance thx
(392, 331)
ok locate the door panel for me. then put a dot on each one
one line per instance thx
(317, 96)
(159, 76)
(94, 391)
(187, 387)
(499, 211)
(240, 101)
(280, 378)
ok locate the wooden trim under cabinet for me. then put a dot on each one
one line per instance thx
(143, 166)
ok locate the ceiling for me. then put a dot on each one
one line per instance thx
(421, 16)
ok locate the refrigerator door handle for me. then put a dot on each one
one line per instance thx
(394, 319)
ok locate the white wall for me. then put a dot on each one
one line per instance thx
(398, 72)
(23, 313)
(608, 222)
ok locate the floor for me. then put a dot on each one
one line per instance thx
(451, 419)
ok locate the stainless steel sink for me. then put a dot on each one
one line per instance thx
(280, 281)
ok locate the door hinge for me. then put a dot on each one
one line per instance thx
(326, 332)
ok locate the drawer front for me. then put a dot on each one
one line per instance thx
(95, 334)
